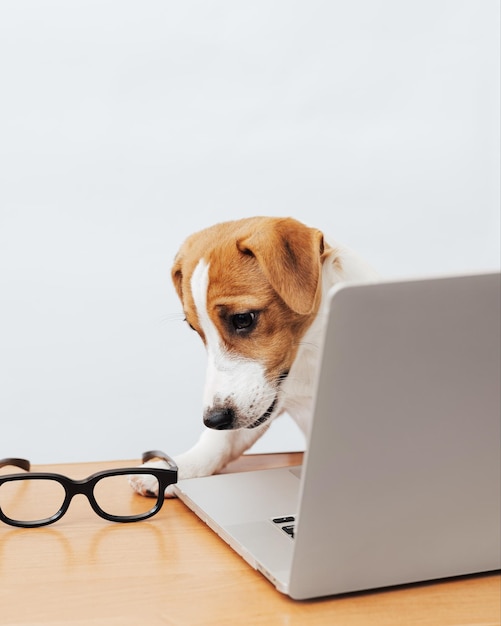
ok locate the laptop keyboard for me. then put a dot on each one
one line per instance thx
(287, 523)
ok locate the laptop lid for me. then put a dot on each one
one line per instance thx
(403, 464)
(401, 478)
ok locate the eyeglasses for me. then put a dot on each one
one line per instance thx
(40, 498)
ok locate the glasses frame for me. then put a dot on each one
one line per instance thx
(165, 476)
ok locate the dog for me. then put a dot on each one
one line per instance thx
(255, 291)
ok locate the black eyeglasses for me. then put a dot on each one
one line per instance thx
(41, 498)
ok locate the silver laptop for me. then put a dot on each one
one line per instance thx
(401, 479)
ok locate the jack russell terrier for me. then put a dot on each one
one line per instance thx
(255, 291)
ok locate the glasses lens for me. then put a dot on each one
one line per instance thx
(31, 500)
(115, 497)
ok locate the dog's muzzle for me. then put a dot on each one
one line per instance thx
(225, 418)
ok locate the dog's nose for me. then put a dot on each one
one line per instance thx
(219, 419)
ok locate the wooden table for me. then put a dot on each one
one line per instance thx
(173, 570)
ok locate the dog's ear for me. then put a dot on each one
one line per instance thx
(177, 277)
(290, 255)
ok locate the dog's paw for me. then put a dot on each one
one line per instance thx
(147, 485)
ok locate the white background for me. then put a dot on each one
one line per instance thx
(125, 126)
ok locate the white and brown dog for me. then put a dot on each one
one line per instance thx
(254, 290)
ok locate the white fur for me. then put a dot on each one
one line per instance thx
(245, 380)
(228, 377)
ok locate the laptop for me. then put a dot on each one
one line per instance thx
(401, 479)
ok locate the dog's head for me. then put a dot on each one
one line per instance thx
(250, 288)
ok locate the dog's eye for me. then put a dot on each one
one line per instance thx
(190, 325)
(243, 321)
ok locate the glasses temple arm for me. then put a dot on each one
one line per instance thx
(21, 463)
(158, 454)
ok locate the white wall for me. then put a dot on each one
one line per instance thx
(124, 126)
